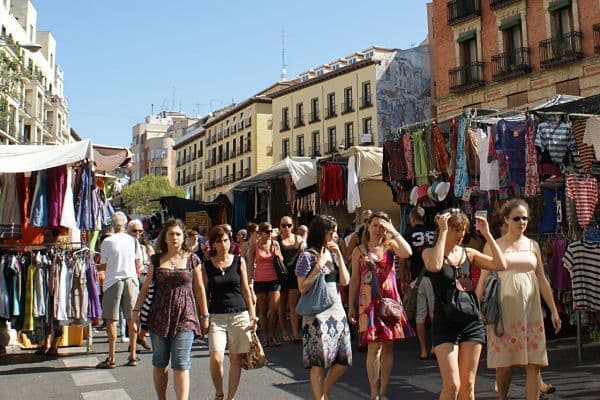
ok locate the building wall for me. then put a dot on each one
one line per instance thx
(520, 91)
(403, 90)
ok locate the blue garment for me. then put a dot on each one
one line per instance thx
(548, 222)
(510, 138)
(461, 180)
(177, 348)
(85, 203)
(240, 210)
(39, 206)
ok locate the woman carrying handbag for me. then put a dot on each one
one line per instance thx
(325, 330)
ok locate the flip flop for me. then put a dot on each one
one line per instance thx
(274, 342)
(106, 364)
(132, 362)
(547, 389)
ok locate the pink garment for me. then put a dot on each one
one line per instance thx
(407, 145)
(264, 271)
(583, 190)
(560, 278)
(532, 178)
(57, 178)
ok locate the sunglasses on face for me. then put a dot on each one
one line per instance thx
(286, 225)
(517, 219)
(268, 232)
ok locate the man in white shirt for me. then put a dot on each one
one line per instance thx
(120, 258)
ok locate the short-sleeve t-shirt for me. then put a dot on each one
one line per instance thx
(119, 252)
(419, 239)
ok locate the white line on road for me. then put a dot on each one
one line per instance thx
(112, 394)
(92, 378)
(80, 362)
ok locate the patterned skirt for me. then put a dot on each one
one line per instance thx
(326, 336)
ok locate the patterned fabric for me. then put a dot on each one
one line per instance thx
(471, 150)
(511, 139)
(326, 336)
(420, 157)
(10, 212)
(371, 328)
(586, 151)
(174, 308)
(557, 139)
(507, 190)
(532, 178)
(407, 146)
(524, 339)
(592, 135)
(461, 175)
(582, 259)
(488, 170)
(442, 160)
(584, 190)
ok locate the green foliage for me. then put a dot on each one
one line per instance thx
(137, 196)
(11, 78)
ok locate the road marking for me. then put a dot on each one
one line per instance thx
(80, 362)
(112, 394)
(92, 378)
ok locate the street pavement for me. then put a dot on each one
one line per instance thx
(24, 375)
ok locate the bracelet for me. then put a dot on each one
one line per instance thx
(255, 319)
(205, 317)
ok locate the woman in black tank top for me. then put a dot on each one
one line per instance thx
(291, 246)
(456, 325)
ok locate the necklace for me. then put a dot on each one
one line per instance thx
(172, 262)
(221, 269)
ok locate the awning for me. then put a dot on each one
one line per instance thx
(108, 158)
(24, 158)
(368, 161)
(302, 170)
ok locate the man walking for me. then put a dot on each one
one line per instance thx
(120, 258)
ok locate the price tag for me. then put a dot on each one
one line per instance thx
(558, 211)
(467, 194)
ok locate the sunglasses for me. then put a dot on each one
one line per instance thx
(286, 225)
(269, 231)
(138, 231)
(517, 219)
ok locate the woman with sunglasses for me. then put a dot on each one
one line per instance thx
(373, 278)
(291, 247)
(524, 341)
(266, 283)
(457, 330)
(231, 309)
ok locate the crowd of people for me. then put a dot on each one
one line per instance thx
(227, 286)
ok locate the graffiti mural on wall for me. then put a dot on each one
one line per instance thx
(403, 90)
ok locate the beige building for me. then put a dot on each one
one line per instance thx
(355, 100)
(36, 109)
(152, 144)
(189, 151)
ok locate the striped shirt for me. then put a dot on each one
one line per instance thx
(584, 191)
(582, 259)
(586, 151)
(556, 139)
(592, 135)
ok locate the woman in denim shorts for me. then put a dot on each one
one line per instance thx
(173, 321)
(232, 316)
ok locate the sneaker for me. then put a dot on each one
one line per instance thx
(124, 339)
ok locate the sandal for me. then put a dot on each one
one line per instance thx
(41, 351)
(274, 342)
(52, 352)
(132, 362)
(287, 339)
(547, 389)
(144, 344)
(219, 396)
(106, 364)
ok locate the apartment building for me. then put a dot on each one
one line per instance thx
(509, 54)
(189, 151)
(359, 99)
(33, 107)
(152, 144)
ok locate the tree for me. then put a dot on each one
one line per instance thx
(137, 196)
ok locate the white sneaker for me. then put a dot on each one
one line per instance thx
(124, 339)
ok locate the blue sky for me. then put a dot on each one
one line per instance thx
(120, 57)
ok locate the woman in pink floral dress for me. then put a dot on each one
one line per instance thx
(374, 277)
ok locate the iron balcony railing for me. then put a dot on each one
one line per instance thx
(246, 172)
(348, 107)
(466, 77)
(314, 116)
(316, 150)
(597, 38)
(299, 121)
(561, 50)
(332, 147)
(495, 4)
(330, 112)
(511, 63)
(461, 10)
(365, 101)
(284, 126)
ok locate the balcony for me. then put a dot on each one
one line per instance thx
(246, 172)
(330, 112)
(365, 101)
(314, 117)
(466, 77)
(596, 29)
(332, 147)
(193, 177)
(462, 10)
(348, 107)
(284, 126)
(510, 64)
(349, 142)
(300, 152)
(315, 151)
(249, 121)
(299, 121)
(496, 4)
(178, 163)
(561, 50)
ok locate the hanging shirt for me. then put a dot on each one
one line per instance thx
(420, 157)
(556, 138)
(586, 151)
(461, 175)
(552, 199)
(591, 135)
(532, 177)
(511, 138)
(353, 193)
(10, 210)
(489, 178)
(582, 259)
(583, 190)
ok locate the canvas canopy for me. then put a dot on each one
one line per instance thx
(368, 161)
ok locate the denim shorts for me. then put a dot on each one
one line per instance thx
(177, 348)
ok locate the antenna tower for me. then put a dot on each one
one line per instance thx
(283, 64)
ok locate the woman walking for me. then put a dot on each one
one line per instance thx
(179, 298)
(291, 246)
(231, 309)
(374, 278)
(266, 282)
(457, 330)
(326, 335)
(524, 340)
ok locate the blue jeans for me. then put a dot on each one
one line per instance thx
(178, 348)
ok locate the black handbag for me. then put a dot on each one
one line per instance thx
(491, 307)
(280, 268)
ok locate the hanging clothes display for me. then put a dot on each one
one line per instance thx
(10, 212)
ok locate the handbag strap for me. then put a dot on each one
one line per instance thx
(420, 277)
(371, 265)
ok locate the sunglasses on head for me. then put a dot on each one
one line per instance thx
(286, 225)
(517, 219)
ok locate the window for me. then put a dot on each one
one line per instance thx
(285, 119)
(367, 127)
(370, 54)
(227, 151)
(349, 134)
(316, 144)
(300, 146)
(512, 38)
(320, 72)
(335, 66)
(299, 115)
(570, 87)
(285, 148)
(233, 147)
(241, 168)
(305, 78)
(331, 105)
(348, 106)
(468, 51)
(234, 124)
(314, 109)
(352, 61)
(516, 99)
(366, 94)
(331, 136)
(248, 166)
(248, 142)
(561, 21)
(241, 146)
(233, 175)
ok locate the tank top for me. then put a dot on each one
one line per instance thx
(443, 281)
(224, 288)
(290, 253)
(264, 270)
